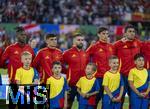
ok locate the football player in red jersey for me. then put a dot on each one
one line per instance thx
(126, 49)
(76, 59)
(99, 54)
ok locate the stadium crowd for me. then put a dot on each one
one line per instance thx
(95, 12)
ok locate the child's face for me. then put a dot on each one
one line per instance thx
(139, 62)
(57, 69)
(114, 64)
(26, 60)
(89, 70)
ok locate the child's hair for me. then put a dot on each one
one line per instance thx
(113, 57)
(25, 53)
(94, 67)
(56, 63)
(139, 55)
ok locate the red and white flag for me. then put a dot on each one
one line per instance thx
(31, 28)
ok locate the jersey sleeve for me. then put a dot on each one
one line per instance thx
(105, 80)
(89, 50)
(79, 83)
(65, 62)
(48, 82)
(5, 57)
(18, 75)
(130, 77)
(36, 61)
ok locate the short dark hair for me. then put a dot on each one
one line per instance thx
(138, 55)
(19, 29)
(128, 27)
(94, 67)
(101, 29)
(56, 63)
(50, 35)
(113, 57)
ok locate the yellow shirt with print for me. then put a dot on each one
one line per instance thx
(139, 77)
(111, 80)
(56, 86)
(25, 76)
(85, 84)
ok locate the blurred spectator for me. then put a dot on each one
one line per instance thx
(96, 12)
(33, 43)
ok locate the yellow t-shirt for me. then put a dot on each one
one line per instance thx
(111, 80)
(24, 76)
(139, 77)
(87, 84)
(56, 86)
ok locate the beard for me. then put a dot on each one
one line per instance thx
(80, 46)
(23, 41)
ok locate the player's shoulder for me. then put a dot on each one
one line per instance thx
(68, 51)
(118, 42)
(64, 78)
(132, 70)
(42, 50)
(50, 78)
(107, 73)
(20, 69)
(110, 44)
(139, 42)
(92, 46)
(58, 50)
(11, 46)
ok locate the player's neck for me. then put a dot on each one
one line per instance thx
(113, 71)
(21, 44)
(57, 76)
(26, 67)
(102, 41)
(127, 39)
(89, 76)
(52, 47)
(139, 68)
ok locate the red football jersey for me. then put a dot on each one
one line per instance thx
(99, 54)
(146, 51)
(12, 58)
(76, 61)
(126, 52)
(44, 59)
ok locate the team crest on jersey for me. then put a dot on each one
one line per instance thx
(125, 46)
(73, 55)
(47, 57)
(57, 57)
(84, 55)
(100, 50)
(16, 52)
(135, 44)
(110, 49)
